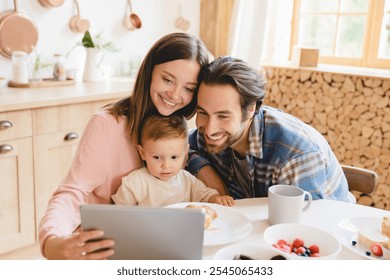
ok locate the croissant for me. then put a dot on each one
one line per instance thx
(210, 214)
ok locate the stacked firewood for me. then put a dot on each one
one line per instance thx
(351, 111)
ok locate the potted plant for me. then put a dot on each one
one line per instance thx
(95, 48)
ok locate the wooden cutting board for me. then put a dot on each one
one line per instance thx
(43, 83)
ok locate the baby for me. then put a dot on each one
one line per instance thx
(164, 147)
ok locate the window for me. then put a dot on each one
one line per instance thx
(347, 32)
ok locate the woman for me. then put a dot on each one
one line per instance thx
(167, 82)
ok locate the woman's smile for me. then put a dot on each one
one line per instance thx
(167, 102)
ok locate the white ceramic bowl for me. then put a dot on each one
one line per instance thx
(329, 246)
(253, 251)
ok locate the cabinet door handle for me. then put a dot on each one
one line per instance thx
(5, 125)
(5, 148)
(71, 136)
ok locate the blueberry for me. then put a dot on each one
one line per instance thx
(304, 255)
(354, 243)
(368, 253)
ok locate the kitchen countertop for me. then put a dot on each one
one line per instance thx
(12, 99)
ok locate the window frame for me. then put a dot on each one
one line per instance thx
(371, 39)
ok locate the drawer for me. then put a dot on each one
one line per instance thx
(15, 124)
(65, 117)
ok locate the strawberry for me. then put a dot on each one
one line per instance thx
(376, 249)
(300, 250)
(297, 247)
(285, 248)
(314, 249)
(282, 247)
(298, 243)
(281, 242)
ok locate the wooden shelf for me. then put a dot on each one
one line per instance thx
(43, 83)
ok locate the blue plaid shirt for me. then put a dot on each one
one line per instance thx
(282, 150)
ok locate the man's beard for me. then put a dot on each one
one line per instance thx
(216, 149)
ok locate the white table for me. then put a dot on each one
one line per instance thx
(324, 214)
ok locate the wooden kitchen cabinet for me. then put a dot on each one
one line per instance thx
(65, 117)
(57, 134)
(36, 149)
(15, 124)
(53, 154)
(40, 129)
(17, 217)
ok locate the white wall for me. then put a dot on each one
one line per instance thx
(106, 16)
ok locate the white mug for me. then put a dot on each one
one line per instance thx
(286, 204)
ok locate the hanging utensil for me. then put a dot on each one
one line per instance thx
(18, 32)
(51, 3)
(77, 23)
(181, 22)
(132, 20)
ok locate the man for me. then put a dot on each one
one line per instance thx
(253, 147)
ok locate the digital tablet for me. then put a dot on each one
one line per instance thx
(143, 233)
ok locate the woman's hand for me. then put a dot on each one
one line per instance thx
(83, 245)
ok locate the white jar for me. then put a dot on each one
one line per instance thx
(19, 67)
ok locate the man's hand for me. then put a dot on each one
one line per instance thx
(211, 179)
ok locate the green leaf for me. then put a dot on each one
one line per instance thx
(97, 42)
(87, 40)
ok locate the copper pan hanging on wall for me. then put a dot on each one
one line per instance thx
(51, 3)
(18, 32)
(78, 24)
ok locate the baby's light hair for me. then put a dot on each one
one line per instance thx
(156, 127)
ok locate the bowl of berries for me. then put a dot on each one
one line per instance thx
(302, 242)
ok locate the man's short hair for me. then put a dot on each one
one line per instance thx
(250, 83)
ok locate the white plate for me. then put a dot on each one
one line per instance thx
(229, 226)
(254, 251)
(347, 230)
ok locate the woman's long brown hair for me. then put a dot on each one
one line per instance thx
(171, 47)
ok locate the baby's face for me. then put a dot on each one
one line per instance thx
(164, 157)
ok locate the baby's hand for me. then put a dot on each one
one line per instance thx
(225, 200)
